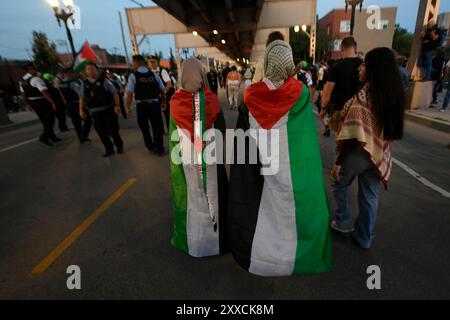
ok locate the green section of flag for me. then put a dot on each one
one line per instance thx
(179, 195)
(314, 252)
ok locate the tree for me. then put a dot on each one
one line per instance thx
(299, 42)
(44, 53)
(403, 40)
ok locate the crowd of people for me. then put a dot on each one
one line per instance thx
(274, 224)
(97, 97)
(277, 225)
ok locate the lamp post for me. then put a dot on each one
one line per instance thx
(354, 4)
(64, 14)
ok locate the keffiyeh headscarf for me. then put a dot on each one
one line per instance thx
(193, 76)
(278, 62)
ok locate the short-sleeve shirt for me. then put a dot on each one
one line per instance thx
(107, 85)
(35, 82)
(345, 75)
(131, 86)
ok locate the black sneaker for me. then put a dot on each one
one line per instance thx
(107, 154)
(46, 142)
(64, 129)
(120, 150)
(55, 139)
(327, 132)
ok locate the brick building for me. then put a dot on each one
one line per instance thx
(337, 25)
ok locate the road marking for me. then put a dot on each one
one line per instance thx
(421, 179)
(417, 176)
(64, 245)
(18, 145)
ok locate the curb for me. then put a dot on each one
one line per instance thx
(428, 121)
(15, 126)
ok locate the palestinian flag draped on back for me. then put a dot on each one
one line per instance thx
(85, 56)
(279, 224)
(199, 190)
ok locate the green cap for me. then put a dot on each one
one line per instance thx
(48, 76)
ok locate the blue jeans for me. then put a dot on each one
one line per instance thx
(446, 99)
(427, 63)
(357, 164)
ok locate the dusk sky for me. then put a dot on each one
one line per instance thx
(100, 23)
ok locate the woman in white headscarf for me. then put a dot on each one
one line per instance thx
(279, 220)
(199, 187)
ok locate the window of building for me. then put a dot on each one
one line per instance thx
(345, 26)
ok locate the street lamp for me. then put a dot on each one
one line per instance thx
(64, 14)
(354, 4)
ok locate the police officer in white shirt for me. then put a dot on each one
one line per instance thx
(148, 91)
(36, 95)
(169, 85)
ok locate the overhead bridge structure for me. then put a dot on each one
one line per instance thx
(223, 30)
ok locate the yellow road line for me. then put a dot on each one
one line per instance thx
(44, 264)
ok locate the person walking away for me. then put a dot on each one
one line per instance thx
(233, 87)
(100, 97)
(50, 82)
(343, 83)
(70, 87)
(35, 94)
(213, 80)
(248, 75)
(169, 86)
(148, 91)
(372, 120)
(320, 86)
(279, 217)
(199, 186)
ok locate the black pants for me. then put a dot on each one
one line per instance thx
(107, 126)
(61, 115)
(82, 126)
(151, 112)
(47, 116)
(122, 106)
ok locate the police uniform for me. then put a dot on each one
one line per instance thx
(60, 113)
(147, 88)
(165, 77)
(32, 87)
(70, 88)
(98, 96)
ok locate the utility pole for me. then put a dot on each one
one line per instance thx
(123, 39)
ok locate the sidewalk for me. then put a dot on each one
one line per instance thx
(432, 117)
(19, 120)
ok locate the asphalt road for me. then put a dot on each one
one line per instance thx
(46, 193)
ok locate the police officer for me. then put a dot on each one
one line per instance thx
(148, 89)
(54, 92)
(38, 99)
(70, 87)
(100, 97)
(169, 85)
